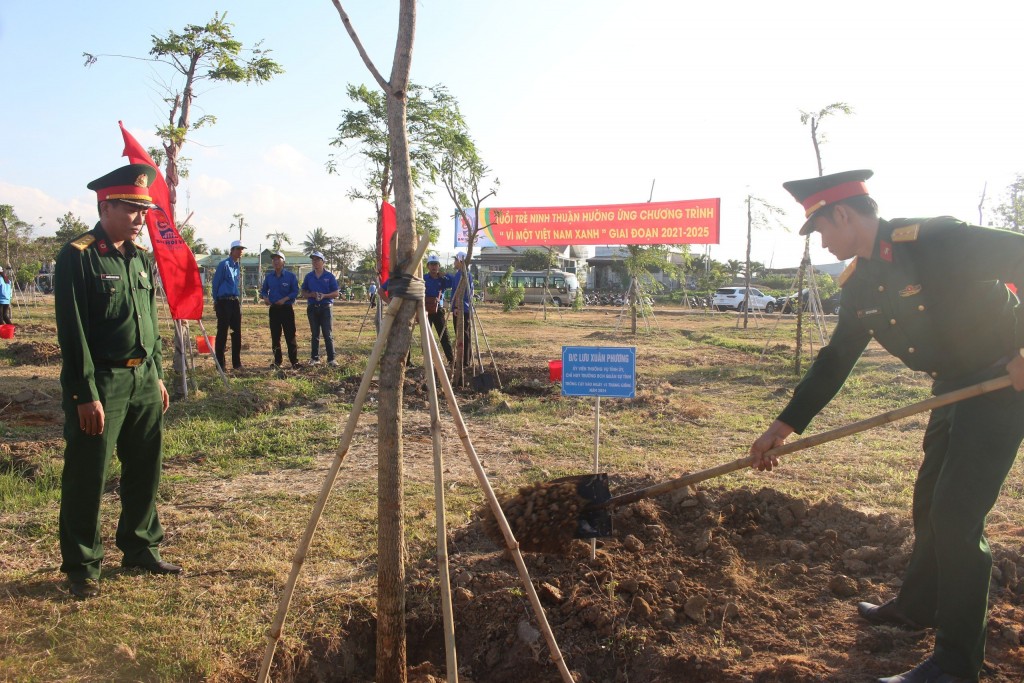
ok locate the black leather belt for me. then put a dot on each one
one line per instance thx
(127, 363)
(228, 298)
(318, 305)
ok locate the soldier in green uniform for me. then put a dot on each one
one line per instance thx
(112, 382)
(933, 293)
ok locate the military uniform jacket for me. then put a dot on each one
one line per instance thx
(934, 295)
(106, 310)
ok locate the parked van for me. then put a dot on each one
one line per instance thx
(562, 286)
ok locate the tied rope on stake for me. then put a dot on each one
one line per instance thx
(406, 286)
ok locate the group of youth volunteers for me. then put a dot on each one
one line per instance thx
(895, 290)
(279, 291)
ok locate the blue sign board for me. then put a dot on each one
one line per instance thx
(599, 371)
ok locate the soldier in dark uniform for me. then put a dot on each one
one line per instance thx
(900, 290)
(112, 382)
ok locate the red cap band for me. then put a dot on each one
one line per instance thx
(833, 195)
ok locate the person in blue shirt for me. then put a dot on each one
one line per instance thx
(320, 288)
(279, 290)
(227, 304)
(464, 310)
(435, 282)
(6, 291)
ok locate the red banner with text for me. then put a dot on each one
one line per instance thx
(692, 221)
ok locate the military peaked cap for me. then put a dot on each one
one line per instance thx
(817, 193)
(127, 184)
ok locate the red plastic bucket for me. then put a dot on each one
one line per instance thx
(6, 331)
(555, 370)
(201, 344)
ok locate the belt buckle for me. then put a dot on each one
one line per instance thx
(133, 362)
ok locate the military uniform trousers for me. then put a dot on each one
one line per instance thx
(133, 414)
(969, 448)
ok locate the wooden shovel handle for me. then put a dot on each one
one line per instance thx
(816, 440)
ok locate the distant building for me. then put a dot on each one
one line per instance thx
(498, 259)
(606, 274)
(254, 267)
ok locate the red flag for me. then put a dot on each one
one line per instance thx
(179, 271)
(389, 221)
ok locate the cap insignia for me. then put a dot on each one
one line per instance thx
(142, 181)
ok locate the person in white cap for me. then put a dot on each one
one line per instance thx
(320, 288)
(227, 304)
(6, 291)
(435, 282)
(279, 290)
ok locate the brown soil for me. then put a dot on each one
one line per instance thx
(34, 353)
(713, 585)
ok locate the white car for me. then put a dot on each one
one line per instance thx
(734, 299)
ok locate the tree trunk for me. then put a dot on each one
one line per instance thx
(632, 305)
(391, 643)
(746, 308)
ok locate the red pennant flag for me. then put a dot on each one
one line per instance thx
(179, 271)
(389, 221)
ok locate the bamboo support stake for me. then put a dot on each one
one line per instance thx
(499, 515)
(487, 344)
(274, 634)
(426, 335)
(209, 345)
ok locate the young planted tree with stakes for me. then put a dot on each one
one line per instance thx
(464, 176)
(759, 212)
(812, 119)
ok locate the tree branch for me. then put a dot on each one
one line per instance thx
(384, 85)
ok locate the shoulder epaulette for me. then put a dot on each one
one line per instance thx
(847, 272)
(907, 233)
(140, 246)
(83, 242)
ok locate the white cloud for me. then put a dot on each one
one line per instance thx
(209, 187)
(36, 207)
(288, 159)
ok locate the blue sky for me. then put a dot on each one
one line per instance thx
(572, 102)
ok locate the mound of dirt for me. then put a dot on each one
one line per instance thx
(712, 585)
(34, 353)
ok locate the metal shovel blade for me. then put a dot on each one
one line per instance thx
(483, 383)
(592, 522)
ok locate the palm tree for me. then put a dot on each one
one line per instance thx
(734, 267)
(277, 239)
(316, 240)
(196, 244)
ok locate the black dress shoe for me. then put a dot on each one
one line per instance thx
(926, 672)
(158, 567)
(886, 614)
(83, 589)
